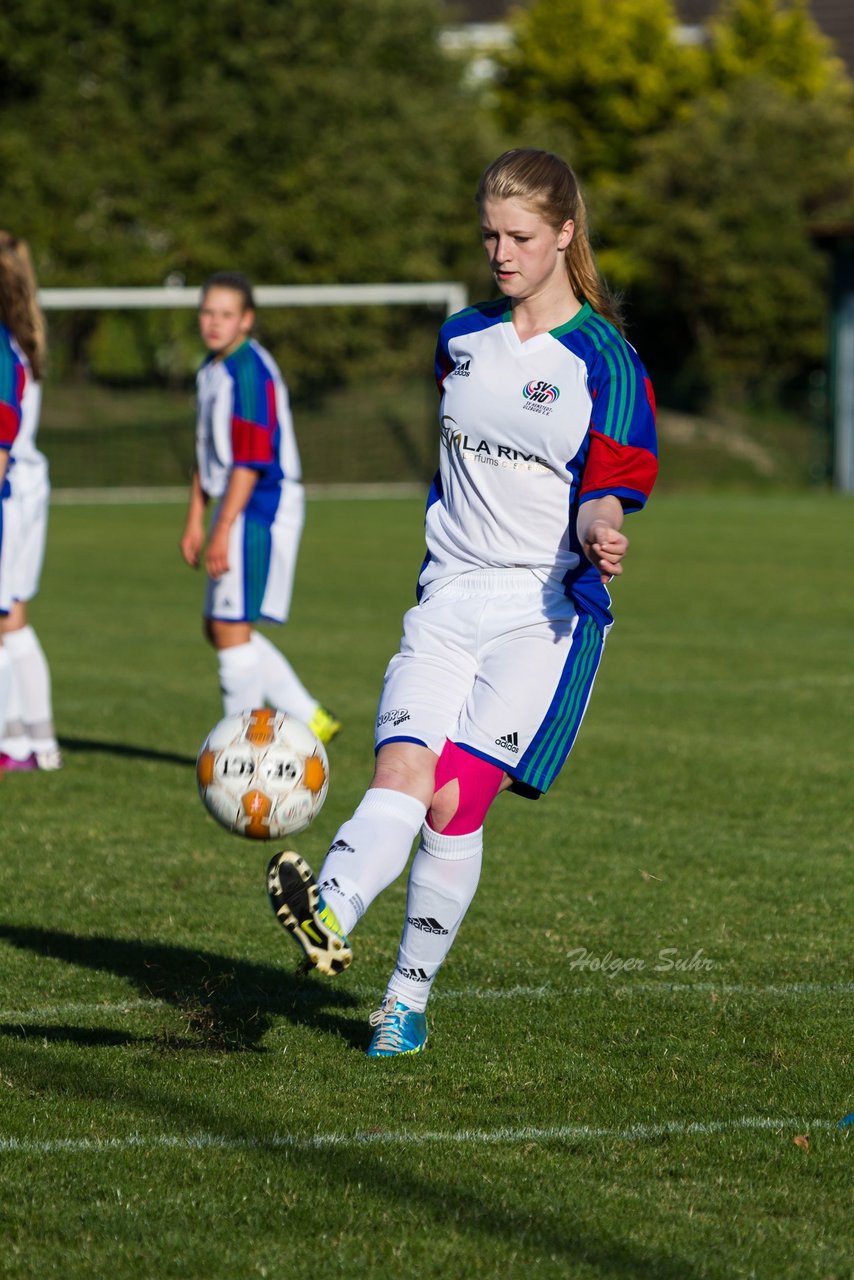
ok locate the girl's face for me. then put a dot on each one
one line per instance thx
(224, 322)
(525, 254)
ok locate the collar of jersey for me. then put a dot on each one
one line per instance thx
(577, 319)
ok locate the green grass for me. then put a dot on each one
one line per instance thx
(96, 435)
(177, 1103)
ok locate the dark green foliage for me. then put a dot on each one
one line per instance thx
(299, 142)
(706, 168)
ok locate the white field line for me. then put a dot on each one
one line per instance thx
(454, 1137)
(169, 494)
(792, 990)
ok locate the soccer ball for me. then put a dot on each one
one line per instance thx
(262, 774)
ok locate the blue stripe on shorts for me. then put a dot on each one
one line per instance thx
(257, 547)
(554, 739)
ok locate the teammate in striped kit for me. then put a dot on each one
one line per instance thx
(27, 735)
(247, 462)
(547, 438)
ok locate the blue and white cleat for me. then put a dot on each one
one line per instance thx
(399, 1029)
(299, 907)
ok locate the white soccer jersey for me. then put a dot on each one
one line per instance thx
(528, 431)
(244, 419)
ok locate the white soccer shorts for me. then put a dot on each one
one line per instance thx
(22, 546)
(262, 561)
(500, 663)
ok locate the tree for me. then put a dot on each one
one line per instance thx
(598, 77)
(780, 44)
(703, 171)
(297, 141)
(731, 288)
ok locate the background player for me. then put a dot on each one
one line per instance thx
(547, 437)
(27, 735)
(247, 461)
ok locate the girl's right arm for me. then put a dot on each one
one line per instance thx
(193, 538)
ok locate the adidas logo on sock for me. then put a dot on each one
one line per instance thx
(426, 924)
(510, 742)
(341, 846)
(412, 975)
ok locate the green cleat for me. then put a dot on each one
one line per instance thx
(324, 725)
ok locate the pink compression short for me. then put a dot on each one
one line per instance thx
(479, 783)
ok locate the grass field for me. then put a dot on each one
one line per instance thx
(641, 1044)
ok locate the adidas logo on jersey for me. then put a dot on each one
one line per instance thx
(413, 975)
(426, 924)
(341, 846)
(509, 742)
(462, 369)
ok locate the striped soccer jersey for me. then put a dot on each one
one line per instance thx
(243, 419)
(529, 430)
(14, 368)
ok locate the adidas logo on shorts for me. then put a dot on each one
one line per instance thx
(509, 742)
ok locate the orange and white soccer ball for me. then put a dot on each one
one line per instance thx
(262, 774)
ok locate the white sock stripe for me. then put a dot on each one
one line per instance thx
(451, 848)
(406, 1138)
(237, 657)
(393, 804)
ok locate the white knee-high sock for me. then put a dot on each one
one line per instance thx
(240, 679)
(15, 740)
(282, 686)
(442, 882)
(5, 682)
(31, 676)
(369, 852)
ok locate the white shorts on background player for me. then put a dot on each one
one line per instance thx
(500, 662)
(262, 563)
(24, 535)
(23, 531)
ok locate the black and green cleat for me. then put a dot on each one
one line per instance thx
(299, 907)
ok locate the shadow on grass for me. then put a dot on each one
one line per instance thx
(228, 1004)
(66, 1035)
(85, 745)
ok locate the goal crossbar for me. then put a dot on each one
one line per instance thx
(451, 294)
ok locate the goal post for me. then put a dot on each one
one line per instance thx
(118, 401)
(452, 295)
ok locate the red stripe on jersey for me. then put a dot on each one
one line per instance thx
(10, 420)
(650, 394)
(251, 443)
(611, 465)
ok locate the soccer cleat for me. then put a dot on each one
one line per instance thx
(299, 907)
(324, 724)
(399, 1029)
(12, 765)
